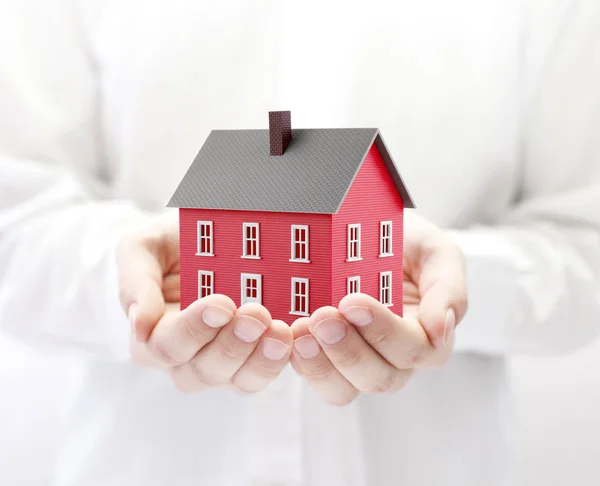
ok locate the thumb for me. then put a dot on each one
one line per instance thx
(139, 262)
(442, 284)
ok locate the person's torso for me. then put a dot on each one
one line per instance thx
(441, 81)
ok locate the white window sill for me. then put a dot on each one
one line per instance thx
(205, 254)
(297, 260)
(357, 259)
(383, 255)
(247, 257)
(303, 314)
(387, 305)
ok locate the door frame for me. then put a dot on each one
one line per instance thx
(243, 279)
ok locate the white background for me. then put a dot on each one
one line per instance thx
(557, 407)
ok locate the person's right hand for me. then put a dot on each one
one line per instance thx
(210, 343)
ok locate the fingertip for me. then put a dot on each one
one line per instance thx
(257, 311)
(433, 315)
(300, 327)
(281, 331)
(219, 300)
(360, 309)
(327, 312)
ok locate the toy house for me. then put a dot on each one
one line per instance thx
(292, 219)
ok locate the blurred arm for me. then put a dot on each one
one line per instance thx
(57, 233)
(534, 279)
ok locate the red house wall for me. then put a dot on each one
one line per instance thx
(372, 198)
(274, 265)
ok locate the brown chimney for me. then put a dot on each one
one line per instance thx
(280, 131)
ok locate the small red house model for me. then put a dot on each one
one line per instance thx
(292, 219)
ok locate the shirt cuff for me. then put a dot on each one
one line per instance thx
(492, 278)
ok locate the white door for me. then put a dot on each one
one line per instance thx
(251, 288)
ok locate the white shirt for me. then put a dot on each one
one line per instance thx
(491, 109)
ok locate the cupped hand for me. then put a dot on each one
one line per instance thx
(210, 343)
(363, 347)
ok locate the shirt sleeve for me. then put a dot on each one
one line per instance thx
(534, 276)
(58, 228)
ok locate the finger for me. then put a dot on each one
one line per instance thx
(267, 360)
(171, 287)
(442, 283)
(219, 360)
(312, 363)
(143, 258)
(179, 335)
(355, 359)
(186, 379)
(402, 342)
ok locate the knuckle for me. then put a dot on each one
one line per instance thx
(184, 381)
(162, 353)
(227, 351)
(414, 355)
(197, 331)
(207, 375)
(267, 371)
(381, 335)
(383, 384)
(349, 358)
(318, 372)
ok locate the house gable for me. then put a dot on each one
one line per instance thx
(372, 198)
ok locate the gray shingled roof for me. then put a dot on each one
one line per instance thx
(234, 170)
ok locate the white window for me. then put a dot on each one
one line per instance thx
(251, 241)
(251, 288)
(299, 244)
(205, 238)
(206, 283)
(385, 239)
(300, 297)
(353, 242)
(385, 288)
(353, 285)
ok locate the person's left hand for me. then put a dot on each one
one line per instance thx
(363, 347)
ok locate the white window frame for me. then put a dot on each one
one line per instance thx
(382, 238)
(294, 311)
(294, 258)
(210, 238)
(350, 282)
(356, 257)
(382, 275)
(243, 278)
(245, 240)
(212, 282)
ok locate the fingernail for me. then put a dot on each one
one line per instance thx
(307, 347)
(274, 349)
(248, 329)
(215, 316)
(449, 326)
(359, 316)
(330, 331)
